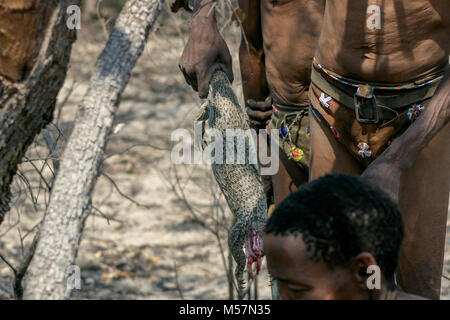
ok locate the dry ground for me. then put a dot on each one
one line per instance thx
(150, 246)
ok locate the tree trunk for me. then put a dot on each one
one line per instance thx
(35, 46)
(61, 229)
(90, 7)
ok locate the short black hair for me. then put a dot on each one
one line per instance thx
(340, 216)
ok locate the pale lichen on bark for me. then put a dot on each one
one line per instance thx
(61, 229)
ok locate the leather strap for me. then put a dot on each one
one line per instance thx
(386, 105)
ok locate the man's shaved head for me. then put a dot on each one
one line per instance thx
(340, 216)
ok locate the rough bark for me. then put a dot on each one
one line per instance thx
(35, 47)
(70, 201)
(90, 8)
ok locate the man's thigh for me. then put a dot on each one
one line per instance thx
(327, 154)
(289, 177)
(423, 199)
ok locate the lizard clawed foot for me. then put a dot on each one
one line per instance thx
(254, 251)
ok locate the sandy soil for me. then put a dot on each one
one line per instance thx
(151, 246)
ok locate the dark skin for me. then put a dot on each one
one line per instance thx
(412, 42)
(411, 45)
(301, 278)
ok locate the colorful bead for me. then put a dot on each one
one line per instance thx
(296, 154)
(335, 132)
(314, 112)
(325, 100)
(415, 111)
(364, 150)
(284, 130)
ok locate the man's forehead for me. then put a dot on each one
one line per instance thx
(288, 259)
(285, 241)
(289, 248)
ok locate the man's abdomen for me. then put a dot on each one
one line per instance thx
(395, 42)
(291, 32)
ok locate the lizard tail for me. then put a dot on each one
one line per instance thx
(236, 239)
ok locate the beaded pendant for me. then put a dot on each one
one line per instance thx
(364, 150)
(415, 111)
(296, 154)
(325, 100)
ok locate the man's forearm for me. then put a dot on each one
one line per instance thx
(253, 73)
(251, 53)
(405, 149)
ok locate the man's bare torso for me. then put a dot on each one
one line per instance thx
(291, 30)
(411, 41)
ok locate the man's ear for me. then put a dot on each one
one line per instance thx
(359, 267)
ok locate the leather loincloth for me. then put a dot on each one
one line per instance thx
(365, 130)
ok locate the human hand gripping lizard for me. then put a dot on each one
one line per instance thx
(206, 51)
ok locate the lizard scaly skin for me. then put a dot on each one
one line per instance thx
(240, 183)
